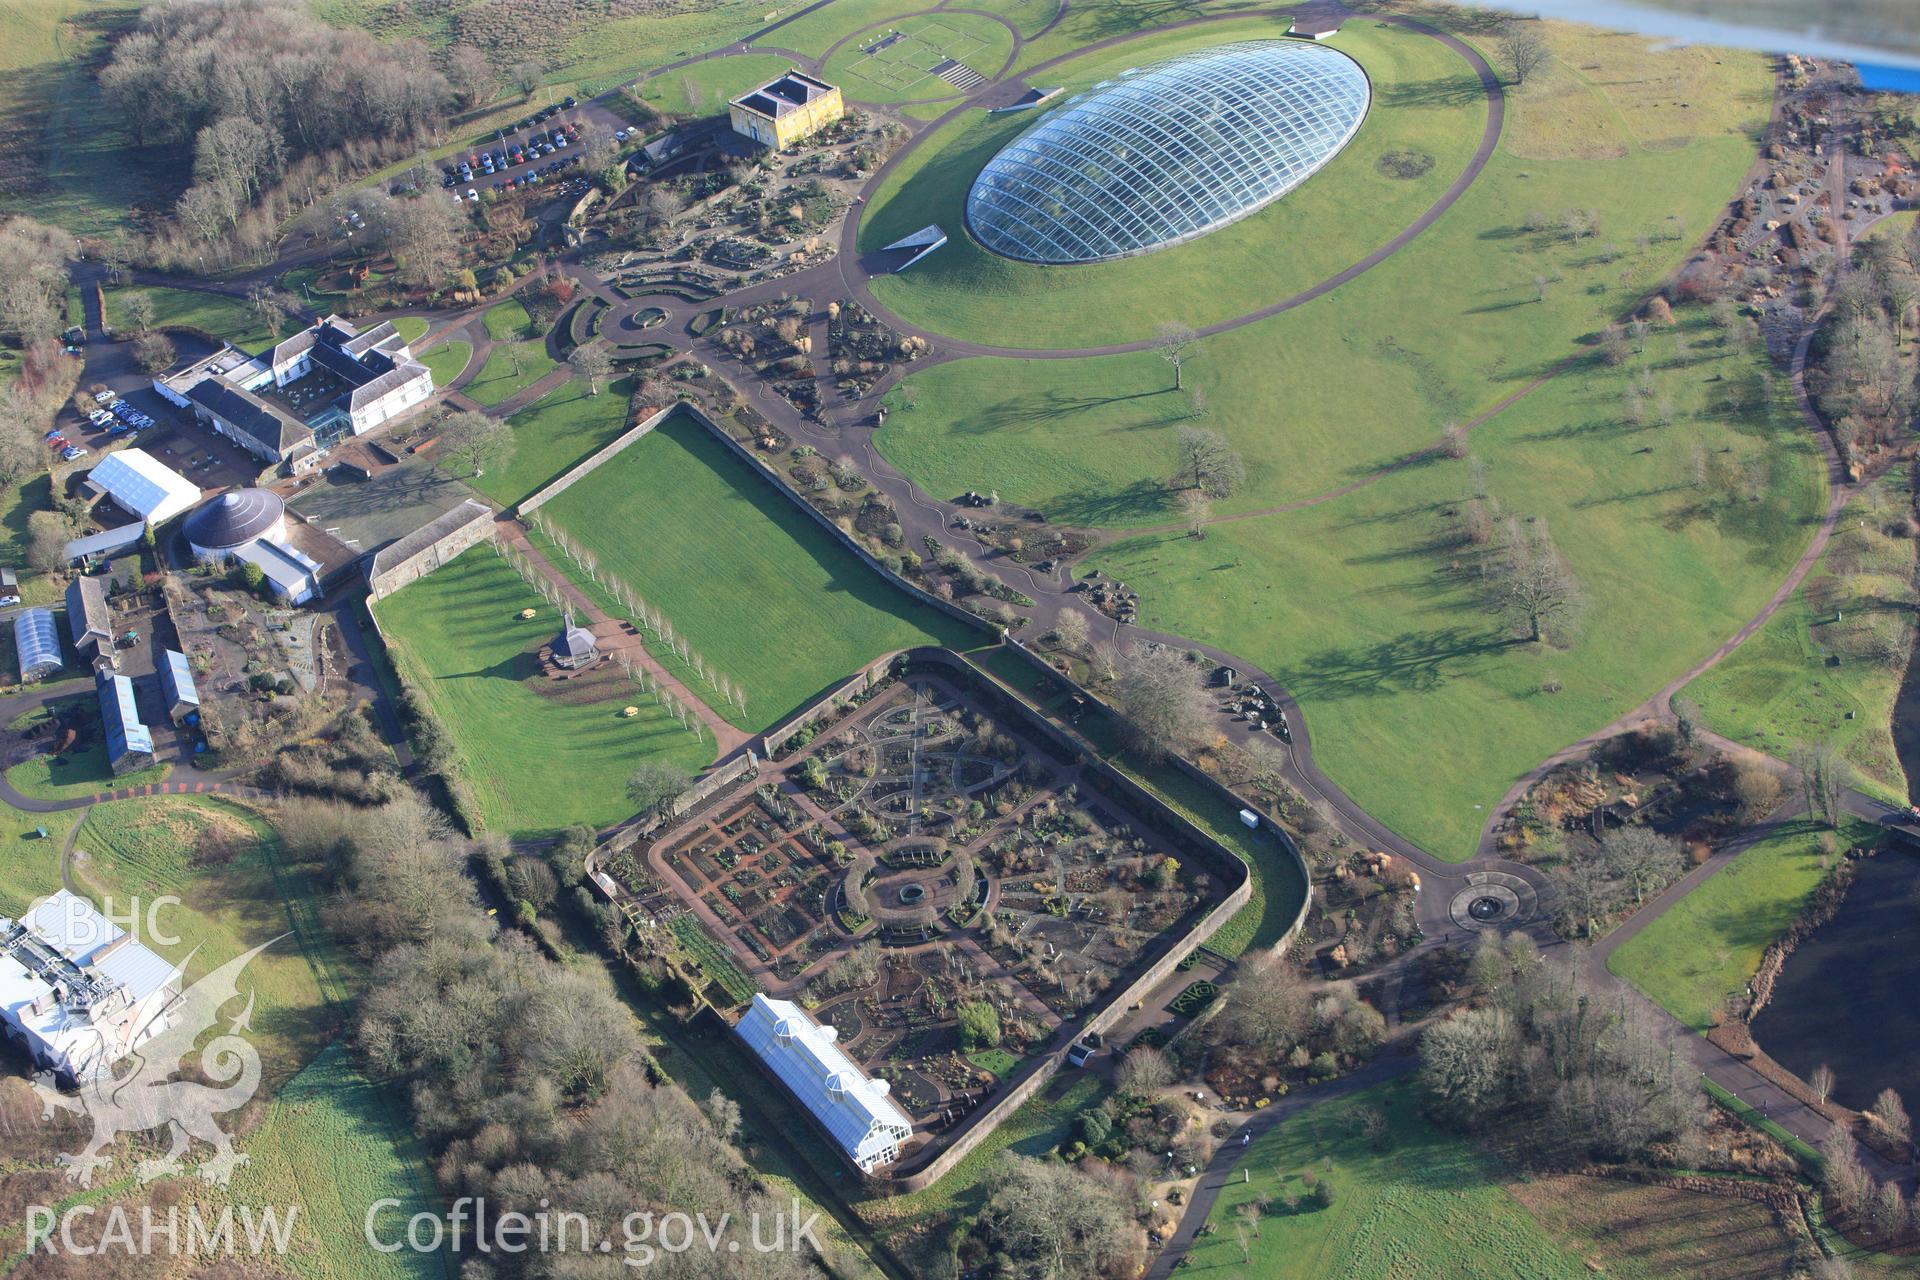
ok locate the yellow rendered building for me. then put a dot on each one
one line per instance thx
(787, 109)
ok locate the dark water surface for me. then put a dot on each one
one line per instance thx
(1850, 995)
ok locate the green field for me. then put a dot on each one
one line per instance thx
(1391, 1206)
(330, 1143)
(83, 772)
(1802, 678)
(756, 586)
(220, 861)
(509, 322)
(1426, 99)
(1332, 391)
(1420, 701)
(30, 864)
(1708, 945)
(511, 368)
(705, 87)
(902, 72)
(536, 764)
(227, 318)
(94, 174)
(412, 328)
(552, 434)
(813, 33)
(327, 1141)
(446, 359)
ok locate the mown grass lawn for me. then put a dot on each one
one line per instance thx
(511, 368)
(552, 434)
(1427, 1195)
(536, 764)
(1426, 100)
(812, 33)
(755, 585)
(1421, 699)
(1707, 946)
(446, 359)
(82, 771)
(29, 862)
(704, 88)
(412, 328)
(1807, 676)
(904, 73)
(227, 318)
(509, 322)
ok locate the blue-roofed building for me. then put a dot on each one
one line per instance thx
(176, 682)
(36, 641)
(129, 741)
(855, 1110)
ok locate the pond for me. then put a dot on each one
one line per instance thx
(1849, 996)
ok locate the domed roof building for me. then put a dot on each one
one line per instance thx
(1163, 154)
(235, 518)
(574, 647)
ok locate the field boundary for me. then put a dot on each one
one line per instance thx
(833, 530)
(594, 461)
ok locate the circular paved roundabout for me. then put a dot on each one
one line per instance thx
(1493, 900)
(1433, 99)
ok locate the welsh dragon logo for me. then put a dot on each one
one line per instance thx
(140, 1092)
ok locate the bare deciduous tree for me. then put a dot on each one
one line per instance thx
(1161, 700)
(1532, 582)
(1523, 49)
(1208, 463)
(476, 439)
(592, 362)
(1174, 342)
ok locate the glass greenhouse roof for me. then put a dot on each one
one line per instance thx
(1163, 154)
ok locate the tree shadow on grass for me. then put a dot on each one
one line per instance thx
(1445, 91)
(1411, 662)
(1142, 501)
(1044, 406)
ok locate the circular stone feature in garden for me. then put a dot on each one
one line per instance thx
(1493, 900)
(911, 894)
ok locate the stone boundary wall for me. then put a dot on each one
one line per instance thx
(714, 780)
(777, 737)
(600, 457)
(834, 531)
(385, 579)
(1206, 780)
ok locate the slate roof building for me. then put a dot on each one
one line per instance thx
(36, 641)
(786, 109)
(129, 741)
(856, 1110)
(574, 647)
(88, 620)
(372, 379)
(234, 519)
(176, 683)
(76, 992)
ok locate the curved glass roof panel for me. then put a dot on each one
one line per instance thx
(1169, 152)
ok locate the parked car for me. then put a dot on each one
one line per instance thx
(568, 102)
(73, 451)
(102, 397)
(621, 135)
(8, 600)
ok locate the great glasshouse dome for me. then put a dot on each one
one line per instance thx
(1165, 153)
